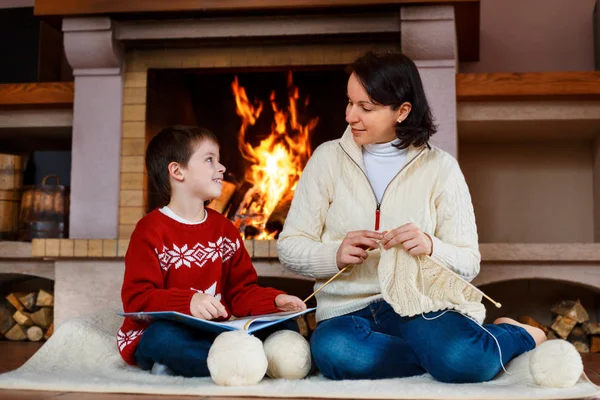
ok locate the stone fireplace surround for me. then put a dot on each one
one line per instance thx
(111, 60)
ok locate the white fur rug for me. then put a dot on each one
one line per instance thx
(82, 356)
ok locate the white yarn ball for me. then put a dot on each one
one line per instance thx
(556, 363)
(236, 358)
(288, 354)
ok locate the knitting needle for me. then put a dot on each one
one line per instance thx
(498, 305)
(327, 283)
(332, 278)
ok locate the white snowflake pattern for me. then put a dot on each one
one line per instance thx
(211, 291)
(181, 256)
(200, 254)
(124, 339)
(229, 248)
(163, 258)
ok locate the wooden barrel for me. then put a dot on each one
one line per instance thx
(9, 213)
(11, 172)
(44, 211)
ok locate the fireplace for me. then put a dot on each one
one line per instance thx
(193, 86)
(145, 73)
(268, 122)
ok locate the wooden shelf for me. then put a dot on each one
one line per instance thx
(528, 86)
(266, 250)
(528, 107)
(36, 116)
(37, 94)
(540, 252)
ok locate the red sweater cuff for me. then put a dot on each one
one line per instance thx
(266, 304)
(179, 300)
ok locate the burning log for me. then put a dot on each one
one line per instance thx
(276, 163)
(237, 198)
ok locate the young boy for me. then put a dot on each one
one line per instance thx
(184, 257)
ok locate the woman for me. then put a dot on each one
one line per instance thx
(385, 202)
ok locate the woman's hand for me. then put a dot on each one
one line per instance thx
(414, 241)
(205, 306)
(288, 302)
(353, 249)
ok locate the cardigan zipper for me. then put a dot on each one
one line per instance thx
(378, 208)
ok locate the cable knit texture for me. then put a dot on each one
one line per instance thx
(334, 197)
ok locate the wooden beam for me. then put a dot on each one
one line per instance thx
(35, 94)
(466, 11)
(85, 7)
(528, 86)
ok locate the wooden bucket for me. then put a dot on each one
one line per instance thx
(11, 172)
(9, 213)
(44, 211)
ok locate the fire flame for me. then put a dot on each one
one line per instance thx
(277, 162)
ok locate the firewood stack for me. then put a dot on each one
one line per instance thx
(571, 322)
(27, 316)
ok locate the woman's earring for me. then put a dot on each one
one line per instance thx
(400, 120)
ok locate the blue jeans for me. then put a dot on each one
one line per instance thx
(183, 349)
(377, 343)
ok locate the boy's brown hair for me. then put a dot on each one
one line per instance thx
(171, 144)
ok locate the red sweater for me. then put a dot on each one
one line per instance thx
(167, 262)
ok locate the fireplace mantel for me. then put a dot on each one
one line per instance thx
(467, 12)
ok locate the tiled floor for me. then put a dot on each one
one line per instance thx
(15, 354)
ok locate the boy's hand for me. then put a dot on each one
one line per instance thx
(205, 306)
(287, 302)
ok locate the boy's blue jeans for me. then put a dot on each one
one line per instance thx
(183, 349)
(376, 343)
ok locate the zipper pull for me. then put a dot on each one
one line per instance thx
(377, 217)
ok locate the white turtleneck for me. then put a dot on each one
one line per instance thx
(382, 162)
(171, 214)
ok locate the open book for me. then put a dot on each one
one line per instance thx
(248, 324)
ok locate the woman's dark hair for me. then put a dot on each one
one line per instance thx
(391, 79)
(171, 144)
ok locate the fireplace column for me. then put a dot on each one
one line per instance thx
(428, 36)
(96, 58)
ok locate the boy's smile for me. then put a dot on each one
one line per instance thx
(203, 176)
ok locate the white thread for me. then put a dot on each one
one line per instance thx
(466, 316)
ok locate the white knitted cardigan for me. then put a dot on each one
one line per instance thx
(334, 197)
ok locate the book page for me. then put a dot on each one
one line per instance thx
(259, 321)
(245, 322)
(248, 324)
